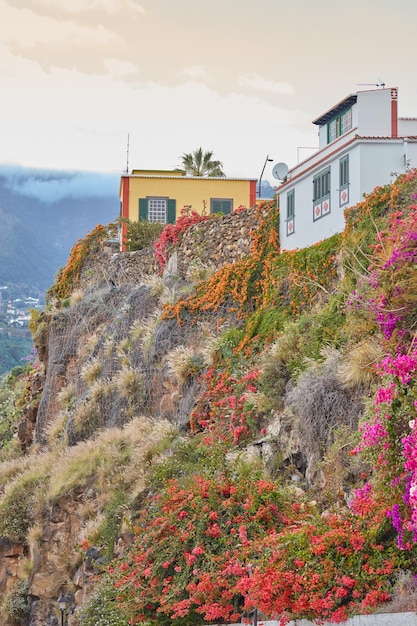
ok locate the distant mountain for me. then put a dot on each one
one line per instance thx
(43, 213)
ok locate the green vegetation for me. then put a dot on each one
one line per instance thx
(17, 603)
(14, 347)
(142, 234)
(291, 483)
(199, 163)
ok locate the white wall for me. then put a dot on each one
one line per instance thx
(374, 113)
(307, 231)
(371, 164)
(379, 619)
(407, 127)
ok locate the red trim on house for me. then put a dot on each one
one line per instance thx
(356, 138)
(124, 210)
(394, 113)
(252, 193)
(316, 163)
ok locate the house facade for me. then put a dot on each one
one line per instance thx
(362, 144)
(160, 196)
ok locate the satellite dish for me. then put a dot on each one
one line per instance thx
(280, 171)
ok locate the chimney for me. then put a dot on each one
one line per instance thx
(394, 112)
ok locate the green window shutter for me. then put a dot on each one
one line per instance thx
(143, 209)
(171, 211)
(226, 207)
(216, 206)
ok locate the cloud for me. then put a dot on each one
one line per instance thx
(51, 186)
(119, 69)
(110, 7)
(198, 72)
(40, 29)
(255, 81)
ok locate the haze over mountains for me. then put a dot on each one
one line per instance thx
(43, 213)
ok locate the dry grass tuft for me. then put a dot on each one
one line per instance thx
(55, 431)
(113, 459)
(150, 327)
(130, 384)
(87, 418)
(358, 365)
(108, 348)
(76, 297)
(91, 370)
(184, 363)
(156, 285)
(404, 597)
(91, 342)
(211, 351)
(67, 560)
(101, 389)
(66, 395)
(91, 529)
(198, 271)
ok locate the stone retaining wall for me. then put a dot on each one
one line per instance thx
(213, 243)
(218, 242)
(377, 619)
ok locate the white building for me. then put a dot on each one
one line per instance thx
(362, 142)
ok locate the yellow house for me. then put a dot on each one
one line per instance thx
(159, 195)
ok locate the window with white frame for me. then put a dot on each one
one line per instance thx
(157, 210)
(321, 194)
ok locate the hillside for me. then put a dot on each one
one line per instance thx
(235, 433)
(42, 214)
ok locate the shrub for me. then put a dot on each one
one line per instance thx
(321, 404)
(17, 602)
(110, 528)
(67, 278)
(102, 609)
(17, 507)
(142, 234)
(172, 232)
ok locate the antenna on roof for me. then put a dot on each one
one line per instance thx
(127, 155)
(380, 83)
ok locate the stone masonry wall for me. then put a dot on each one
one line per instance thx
(218, 242)
(213, 243)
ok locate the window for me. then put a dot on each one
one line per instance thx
(155, 209)
(321, 184)
(339, 125)
(321, 194)
(344, 180)
(290, 212)
(221, 205)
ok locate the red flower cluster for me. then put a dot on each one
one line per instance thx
(223, 410)
(171, 233)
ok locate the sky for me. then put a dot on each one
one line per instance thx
(243, 78)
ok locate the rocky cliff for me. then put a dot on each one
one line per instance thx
(234, 346)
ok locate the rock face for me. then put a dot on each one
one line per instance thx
(108, 357)
(105, 358)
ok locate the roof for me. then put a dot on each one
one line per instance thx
(326, 157)
(176, 173)
(216, 178)
(336, 109)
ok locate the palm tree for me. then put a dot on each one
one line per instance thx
(199, 163)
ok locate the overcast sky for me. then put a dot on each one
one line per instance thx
(243, 78)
